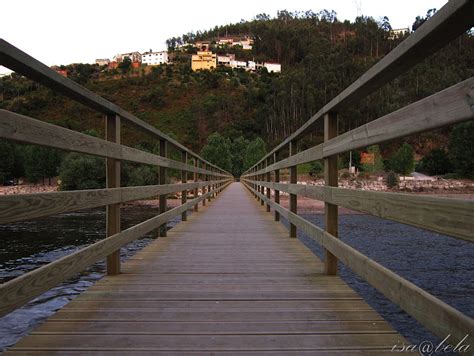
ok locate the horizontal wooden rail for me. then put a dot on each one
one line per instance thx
(437, 316)
(452, 217)
(27, 130)
(451, 21)
(20, 207)
(449, 106)
(22, 63)
(20, 290)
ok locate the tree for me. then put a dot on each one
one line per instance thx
(461, 148)
(238, 147)
(402, 161)
(80, 171)
(125, 65)
(378, 165)
(217, 151)
(254, 152)
(41, 162)
(436, 162)
(7, 160)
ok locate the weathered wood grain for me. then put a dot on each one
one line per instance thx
(20, 290)
(450, 21)
(22, 63)
(24, 129)
(453, 217)
(434, 314)
(21, 207)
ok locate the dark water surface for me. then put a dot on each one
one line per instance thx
(441, 265)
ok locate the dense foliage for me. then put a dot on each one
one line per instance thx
(320, 56)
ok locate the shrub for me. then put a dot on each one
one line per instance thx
(436, 162)
(392, 180)
(402, 161)
(315, 169)
(461, 148)
(79, 171)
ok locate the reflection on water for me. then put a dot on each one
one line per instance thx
(25, 246)
(441, 265)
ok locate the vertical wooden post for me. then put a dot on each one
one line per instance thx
(196, 180)
(209, 188)
(268, 179)
(162, 180)
(204, 178)
(277, 192)
(330, 177)
(184, 180)
(262, 188)
(112, 133)
(293, 180)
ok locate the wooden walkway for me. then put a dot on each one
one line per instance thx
(227, 280)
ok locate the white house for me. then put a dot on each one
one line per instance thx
(155, 58)
(398, 32)
(238, 64)
(102, 61)
(273, 67)
(135, 57)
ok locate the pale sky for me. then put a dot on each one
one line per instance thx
(64, 31)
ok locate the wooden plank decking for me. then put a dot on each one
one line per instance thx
(227, 280)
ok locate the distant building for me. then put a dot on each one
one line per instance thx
(60, 71)
(399, 32)
(102, 61)
(135, 57)
(155, 58)
(238, 64)
(203, 60)
(245, 43)
(225, 60)
(203, 45)
(273, 67)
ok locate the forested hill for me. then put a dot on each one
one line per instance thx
(320, 56)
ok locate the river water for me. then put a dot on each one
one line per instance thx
(441, 265)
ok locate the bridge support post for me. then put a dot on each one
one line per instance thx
(293, 180)
(262, 188)
(184, 180)
(112, 133)
(269, 177)
(162, 180)
(331, 179)
(209, 187)
(204, 178)
(196, 180)
(277, 192)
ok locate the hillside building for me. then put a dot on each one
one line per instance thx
(102, 61)
(203, 60)
(273, 67)
(399, 32)
(155, 58)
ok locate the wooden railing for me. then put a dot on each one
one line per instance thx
(206, 176)
(447, 216)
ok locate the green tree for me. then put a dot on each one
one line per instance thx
(142, 175)
(378, 165)
(402, 162)
(238, 148)
(436, 162)
(255, 152)
(7, 160)
(125, 65)
(217, 151)
(41, 162)
(80, 171)
(461, 148)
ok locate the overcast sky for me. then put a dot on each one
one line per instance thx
(64, 31)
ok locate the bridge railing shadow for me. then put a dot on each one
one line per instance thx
(447, 216)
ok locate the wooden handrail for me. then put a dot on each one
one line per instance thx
(22, 63)
(452, 20)
(437, 316)
(18, 291)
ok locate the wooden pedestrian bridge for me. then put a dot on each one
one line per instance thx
(230, 277)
